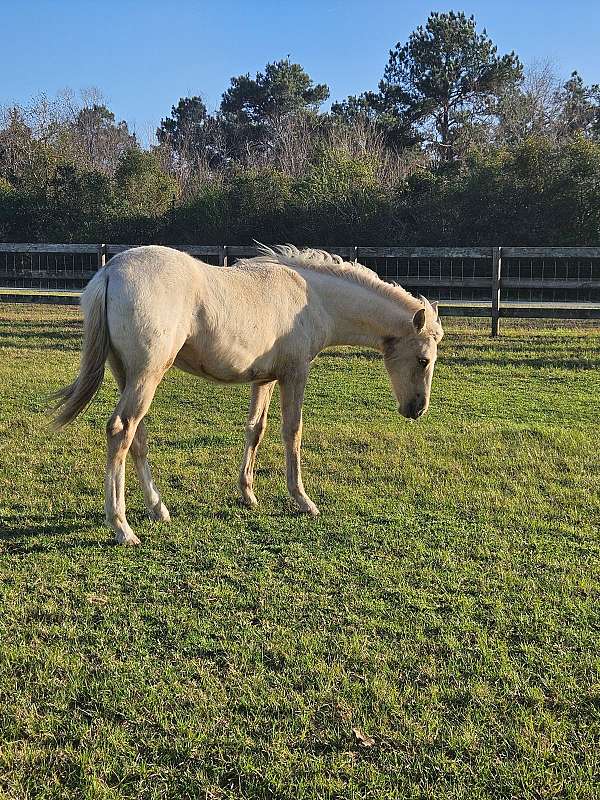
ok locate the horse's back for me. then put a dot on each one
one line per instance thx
(245, 322)
(155, 269)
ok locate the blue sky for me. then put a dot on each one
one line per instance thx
(144, 56)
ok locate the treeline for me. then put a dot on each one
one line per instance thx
(457, 145)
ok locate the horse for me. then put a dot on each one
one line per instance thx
(261, 321)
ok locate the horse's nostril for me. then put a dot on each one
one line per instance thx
(414, 409)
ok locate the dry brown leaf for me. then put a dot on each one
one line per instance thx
(362, 738)
(97, 599)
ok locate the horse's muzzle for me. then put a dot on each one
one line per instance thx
(414, 410)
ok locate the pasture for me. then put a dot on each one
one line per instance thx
(435, 633)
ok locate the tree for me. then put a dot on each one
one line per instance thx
(446, 78)
(79, 204)
(192, 134)
(530, 109)
(25, 162)
(144, 189)
(251, 106)
(372, 108)
(355, 107)
(86, 135)
(98, 140)
(184, 128)
(580, 107)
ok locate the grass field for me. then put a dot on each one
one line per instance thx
(435, 633)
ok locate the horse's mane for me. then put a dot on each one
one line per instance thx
(331, 264)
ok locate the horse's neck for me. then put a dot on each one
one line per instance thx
(360, 315)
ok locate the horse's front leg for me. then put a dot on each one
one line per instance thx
(292, 396)
(255, 429)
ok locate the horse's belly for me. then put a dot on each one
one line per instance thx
(223, 371)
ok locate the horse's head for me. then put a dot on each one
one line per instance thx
(410, 358)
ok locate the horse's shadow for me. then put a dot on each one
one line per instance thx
(26, 533)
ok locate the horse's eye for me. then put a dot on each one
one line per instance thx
(424, 362)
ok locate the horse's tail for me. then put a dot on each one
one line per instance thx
(72, 400)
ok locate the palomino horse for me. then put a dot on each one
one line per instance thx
(262, 321)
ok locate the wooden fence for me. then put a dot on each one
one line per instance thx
(493, 282)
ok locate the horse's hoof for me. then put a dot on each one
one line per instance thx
(160, 513)
(310, 509)
(128, 539)
(249, 500)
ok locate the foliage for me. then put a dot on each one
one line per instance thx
(283, 88)
(456, 147)
(191, 133)
(251, 105)
(581, 107)
(183, 129)
(339, 195)
(536, 193)
(144, 189)
(397, 127)
(26, 162)
(99, 140)
(204, 217)
(79, 203)
(334, 176)
(446, 75)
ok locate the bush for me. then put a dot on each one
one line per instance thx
(539, 192)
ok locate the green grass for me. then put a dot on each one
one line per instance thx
(445, 603)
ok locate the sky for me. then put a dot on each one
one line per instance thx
(144, 55)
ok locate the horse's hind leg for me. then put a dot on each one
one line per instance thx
(120, 432)
(139, 452)
(255, 429)
(157, 510)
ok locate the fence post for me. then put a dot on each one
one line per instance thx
(496, 285)
(101, 255)
(223, 258)
(355, 255)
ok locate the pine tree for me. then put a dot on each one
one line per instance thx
(446, 78)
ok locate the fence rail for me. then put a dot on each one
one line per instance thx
(493, 282)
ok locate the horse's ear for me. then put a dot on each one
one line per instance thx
(436, 310)
(419, 320)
